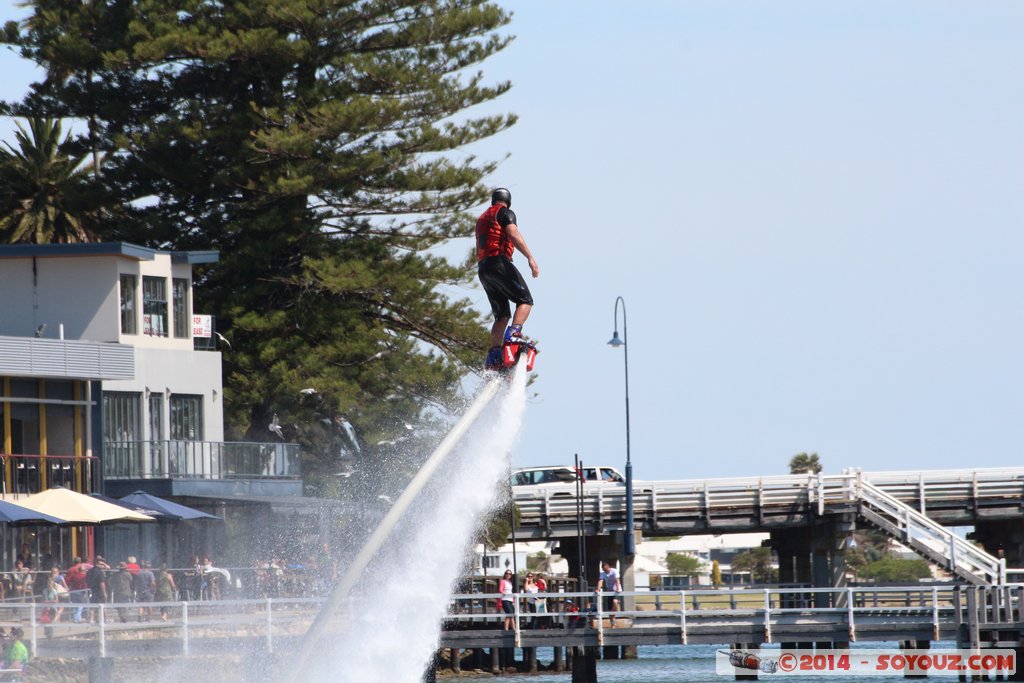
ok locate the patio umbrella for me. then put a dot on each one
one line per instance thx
(16, 515)
(168, 508)
(79, 508)
(155, 514)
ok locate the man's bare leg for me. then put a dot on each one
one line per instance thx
(521, 314)
(498, 330)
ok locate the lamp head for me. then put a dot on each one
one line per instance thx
(615, 340)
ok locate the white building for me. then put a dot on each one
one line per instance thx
(115, 320)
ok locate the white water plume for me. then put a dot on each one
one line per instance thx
(394, 620)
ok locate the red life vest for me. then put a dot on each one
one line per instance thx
(491, 238)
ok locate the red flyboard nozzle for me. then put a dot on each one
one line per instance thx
(510, 352)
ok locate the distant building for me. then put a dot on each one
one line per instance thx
(706, 547)
(111, 382)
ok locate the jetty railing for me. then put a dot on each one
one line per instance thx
(184, 628)
(943, 607)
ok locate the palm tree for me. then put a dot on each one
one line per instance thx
(803, 463)
(42, 188)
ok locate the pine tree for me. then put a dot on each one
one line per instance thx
(309, 141)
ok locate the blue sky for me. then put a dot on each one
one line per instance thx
(814, 214)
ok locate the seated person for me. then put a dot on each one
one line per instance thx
(16, 654)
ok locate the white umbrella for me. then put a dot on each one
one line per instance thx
(78, 508)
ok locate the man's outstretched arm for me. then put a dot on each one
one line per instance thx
(520, 244)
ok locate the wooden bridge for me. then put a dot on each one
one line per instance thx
(973, 616)
(745, 504)
(912, 507)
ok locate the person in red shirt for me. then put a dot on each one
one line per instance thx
(78, 586)
(497, 238)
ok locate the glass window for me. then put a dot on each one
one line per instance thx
(154, 306)
(186, 417)
(182, 312)
(122, 416)
(128, 314)
(156, 417)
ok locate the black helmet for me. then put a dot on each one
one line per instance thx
(501, 195)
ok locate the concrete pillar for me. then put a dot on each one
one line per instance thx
(495, 660)
(1003, 538)
(627, 577)
(558, 660)
(792, 547)
(530, 655)
(455, 655)
(584, 665)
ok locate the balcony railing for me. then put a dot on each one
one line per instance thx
(200, 460)
(24, 473)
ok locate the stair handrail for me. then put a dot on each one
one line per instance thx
(961, 554)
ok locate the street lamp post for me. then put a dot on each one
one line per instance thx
(630, 548)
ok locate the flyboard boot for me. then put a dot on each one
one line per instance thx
(515, 345)
(493, 361)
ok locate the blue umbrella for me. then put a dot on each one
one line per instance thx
(168, 509)
(18, 515)
(156, 514)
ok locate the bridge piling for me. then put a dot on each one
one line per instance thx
(584, 664)
(915, 645)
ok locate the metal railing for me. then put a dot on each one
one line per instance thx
(27, 471)
(930, 538)
(200, 460)
(713, 498)
(185, 627)
(942, 608)
(84, 629)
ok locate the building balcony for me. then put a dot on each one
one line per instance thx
(25, 474)
(201, 468)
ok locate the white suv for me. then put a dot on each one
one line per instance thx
(534, 476)
(565, 477)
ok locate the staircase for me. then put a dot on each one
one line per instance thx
(928, 538)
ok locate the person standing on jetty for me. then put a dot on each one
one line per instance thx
(497, 238)
(507, 598)
(608, 582)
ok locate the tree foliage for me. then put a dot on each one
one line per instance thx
(312, 143)
(802, 463)
(894, 569)
(497, 527)
(757, 561)
(44, 190)
(683, 564)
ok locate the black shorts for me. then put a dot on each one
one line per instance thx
(503, 283)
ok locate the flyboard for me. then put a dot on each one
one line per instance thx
(513, 351)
